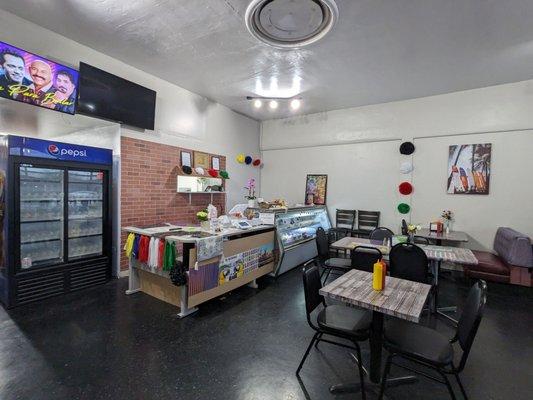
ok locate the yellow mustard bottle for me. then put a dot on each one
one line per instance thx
(377, 277)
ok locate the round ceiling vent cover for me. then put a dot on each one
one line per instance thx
(290, 23)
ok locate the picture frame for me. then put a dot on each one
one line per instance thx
(201, 160)
(215, 163)
(316, 187)
(186, 158)
(469, 169)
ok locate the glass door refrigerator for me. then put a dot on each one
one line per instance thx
(56, 217)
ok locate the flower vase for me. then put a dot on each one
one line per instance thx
(252, 203)
(205, 225)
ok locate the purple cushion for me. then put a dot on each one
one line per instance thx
(514, 247)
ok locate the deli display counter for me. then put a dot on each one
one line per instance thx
(295, 235)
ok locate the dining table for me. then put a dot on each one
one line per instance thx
(455, 237)
(436, 256)
(400, 299)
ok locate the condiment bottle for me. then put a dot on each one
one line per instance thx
(377, 277)
(384, 273)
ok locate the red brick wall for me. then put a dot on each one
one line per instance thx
(148, 188)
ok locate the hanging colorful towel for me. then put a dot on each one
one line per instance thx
(161, 253)
(135, 248)
(144, 245)
(170, 256)
(128, 246)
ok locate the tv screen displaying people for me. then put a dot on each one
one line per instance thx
(32, 79)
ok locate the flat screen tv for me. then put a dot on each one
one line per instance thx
(107, 96)
(32, 79)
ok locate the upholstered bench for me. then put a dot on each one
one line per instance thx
(512, 263)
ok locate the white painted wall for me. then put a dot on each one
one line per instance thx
(182, 117)
(358, 149)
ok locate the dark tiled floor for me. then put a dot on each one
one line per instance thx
(101, 344)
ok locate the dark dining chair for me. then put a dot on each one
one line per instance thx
(344, 225)
(324, 259)
(364, 258)
(408, 261)
(431, 349)
(382, 233)
(367, 221)
(338, 321)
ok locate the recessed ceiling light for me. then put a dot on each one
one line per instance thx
(289, 23)
(273, 104)
(295, 104)
(258, 103)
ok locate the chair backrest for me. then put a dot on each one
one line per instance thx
(312, 285)
(404, 227)
(421, 240)
(364, 258)
(345, 219)
(381, 233)
(470, 319)
(322, 244)
(368, 220)
(514, 247)
(408, 261)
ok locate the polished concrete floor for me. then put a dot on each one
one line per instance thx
(101, 344)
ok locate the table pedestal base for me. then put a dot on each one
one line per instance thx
(370, 386)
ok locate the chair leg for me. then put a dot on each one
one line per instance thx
(463, 391)
(384, 377)
(327, 276)
(315, 336)
(361, 370)
(318, 340)
(449, 386)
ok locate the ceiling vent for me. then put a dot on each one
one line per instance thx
(290, 23)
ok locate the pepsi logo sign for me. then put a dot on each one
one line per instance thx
(53, 149)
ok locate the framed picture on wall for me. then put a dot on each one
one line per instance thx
(186, 158)
(215, 163)
(469, 167)
(316, 189)
(201, 160)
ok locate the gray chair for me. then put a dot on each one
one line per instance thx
(381, 233)
(432, 350)
(367, 221)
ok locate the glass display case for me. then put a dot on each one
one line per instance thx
(299, 226)
(296, 231)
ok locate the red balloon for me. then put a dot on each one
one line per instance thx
(405, 188)
(213, 172)
(256, 162)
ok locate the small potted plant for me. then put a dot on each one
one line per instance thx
(412, 229)
(203, 219)
(447, 217)
(251, 193)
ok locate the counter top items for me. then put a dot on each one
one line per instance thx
(276, 204)
(407, 148)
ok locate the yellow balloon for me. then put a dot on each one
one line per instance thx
(240, 158)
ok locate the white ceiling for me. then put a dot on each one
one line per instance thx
(379, 51)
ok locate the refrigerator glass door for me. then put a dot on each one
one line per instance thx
(85, 213)
(41, 216)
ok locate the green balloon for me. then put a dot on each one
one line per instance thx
(404, 208)
(224, 174)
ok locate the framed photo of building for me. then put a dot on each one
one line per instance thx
(469, 168)
(201, 160)
(186, 158)
(316, 189)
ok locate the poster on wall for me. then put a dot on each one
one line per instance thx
(32, 79)
(316, 189)
(469, 169)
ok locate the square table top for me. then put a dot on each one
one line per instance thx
(455, 255)
(453, 236)
(401, 298)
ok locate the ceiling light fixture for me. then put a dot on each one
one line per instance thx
(290, 24)
(273, 104)
(295, 104)
(258, 103)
